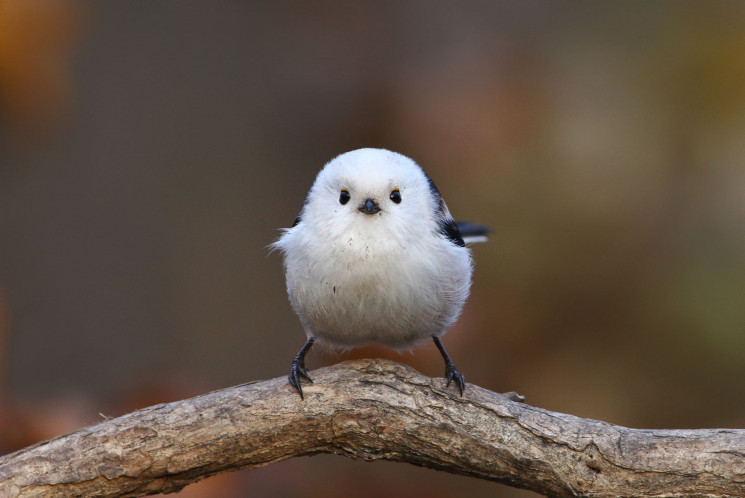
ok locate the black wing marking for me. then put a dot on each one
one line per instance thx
(449, 229)
(297, 220)
(440, 203)
(446, 226)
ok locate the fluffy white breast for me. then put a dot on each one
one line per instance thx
(387, 277)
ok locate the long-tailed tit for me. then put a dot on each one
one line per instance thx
(375, 256)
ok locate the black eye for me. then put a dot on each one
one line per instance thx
(396, 196)
(344, 196)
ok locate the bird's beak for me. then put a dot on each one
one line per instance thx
(369, 206)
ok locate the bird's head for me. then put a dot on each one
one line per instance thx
(372, 189)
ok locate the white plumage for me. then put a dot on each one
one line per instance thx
(375, 257)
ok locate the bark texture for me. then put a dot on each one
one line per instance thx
(376, 409)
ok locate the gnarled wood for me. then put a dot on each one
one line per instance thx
(375, 409)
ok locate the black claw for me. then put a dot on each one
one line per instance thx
(304, 373)
(298, 371)
(452, 374)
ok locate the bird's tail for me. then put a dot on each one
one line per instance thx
(473, 232)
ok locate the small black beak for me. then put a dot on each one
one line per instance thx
(369, 206)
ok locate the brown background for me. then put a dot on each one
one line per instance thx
(150, 151)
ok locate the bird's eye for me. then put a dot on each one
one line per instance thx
(396, 196)
(344, 196)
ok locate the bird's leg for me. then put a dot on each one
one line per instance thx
(451, 373)
(297, 370)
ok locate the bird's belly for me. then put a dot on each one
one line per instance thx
(359, 316)
(351, 303)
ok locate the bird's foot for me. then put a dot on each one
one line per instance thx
(453, 375)
(298, 372)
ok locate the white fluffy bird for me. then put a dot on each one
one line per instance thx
(375, 256)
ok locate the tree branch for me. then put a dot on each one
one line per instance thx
(376, 409)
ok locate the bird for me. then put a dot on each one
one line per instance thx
(376, 257)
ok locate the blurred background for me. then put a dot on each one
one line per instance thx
(150, 151)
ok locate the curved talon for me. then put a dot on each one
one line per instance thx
(298, 370)
(452, 374)
(304, 373)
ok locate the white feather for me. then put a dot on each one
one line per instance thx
(390, 277)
